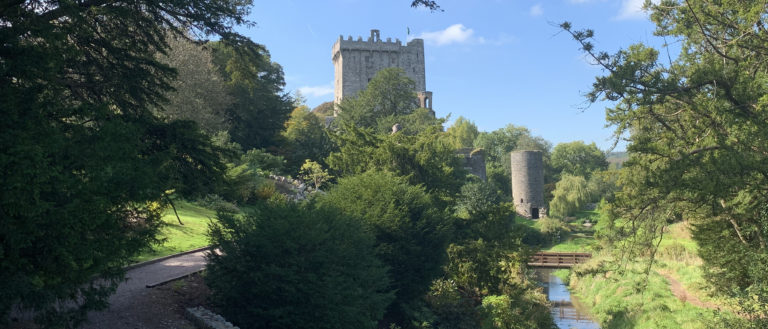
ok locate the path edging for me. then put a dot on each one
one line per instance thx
(156, 260)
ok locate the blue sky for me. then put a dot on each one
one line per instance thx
(494, 62)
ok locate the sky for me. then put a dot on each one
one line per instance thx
(494, 62)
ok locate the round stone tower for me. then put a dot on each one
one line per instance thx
(528, 184)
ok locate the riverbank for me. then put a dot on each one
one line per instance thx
(669, 294)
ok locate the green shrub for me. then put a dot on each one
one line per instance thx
(293, 266)
(411, 235)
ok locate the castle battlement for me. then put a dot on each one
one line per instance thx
(357, 61)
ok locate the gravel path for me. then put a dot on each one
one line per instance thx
(135, 306)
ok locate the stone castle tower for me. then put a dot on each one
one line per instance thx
(357, 61)
(528, 184)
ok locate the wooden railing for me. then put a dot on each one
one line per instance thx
(558, 259)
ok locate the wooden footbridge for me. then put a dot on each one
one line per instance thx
(558, 259)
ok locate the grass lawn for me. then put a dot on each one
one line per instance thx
(181, 238)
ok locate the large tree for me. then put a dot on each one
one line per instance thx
(578, 159)
(255, 82)
(698, 137)
(84, 160)
(462, 133)
(389, 93)
(305, 138)
(199, 94)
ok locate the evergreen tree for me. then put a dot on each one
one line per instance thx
(84, 160)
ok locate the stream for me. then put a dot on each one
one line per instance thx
(566, 309)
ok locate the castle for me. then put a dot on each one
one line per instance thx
(356, 62)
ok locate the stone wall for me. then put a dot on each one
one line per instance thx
(474, 161)
(357, 61)
(528, 184)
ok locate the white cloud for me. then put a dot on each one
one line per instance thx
(456, 33)
(460, 34)
(537, 10)
(317, 91)
(633, 9)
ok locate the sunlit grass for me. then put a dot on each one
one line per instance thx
(180, 238)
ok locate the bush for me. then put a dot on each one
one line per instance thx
(294, 266)
(411, 234)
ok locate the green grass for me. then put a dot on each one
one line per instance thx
(181, 238)
(634, 299)
(630, 299)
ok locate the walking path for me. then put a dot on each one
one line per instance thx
(133, 299)
(683, 294)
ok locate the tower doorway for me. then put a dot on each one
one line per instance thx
(534, 213)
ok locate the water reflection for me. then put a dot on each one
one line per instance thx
(566, 310)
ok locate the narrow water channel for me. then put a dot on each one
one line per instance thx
(566, 309)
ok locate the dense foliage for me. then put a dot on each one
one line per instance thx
(485, 285)
(578, 159)
(260, 106)
(84, 159)
(304, 138)
(411, 233)
(423, 159)
(390, 93)
(698, 138)
(199, 94)
(296, 266)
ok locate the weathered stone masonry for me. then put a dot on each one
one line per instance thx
(528, 184)
(357, 61)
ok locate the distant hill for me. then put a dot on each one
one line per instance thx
(616, 159)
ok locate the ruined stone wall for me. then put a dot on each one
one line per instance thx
(528, 183)
(474, 161)
(357, 61)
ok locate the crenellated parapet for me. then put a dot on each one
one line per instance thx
(356, 61)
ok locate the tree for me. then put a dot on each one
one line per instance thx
(424, 159)
(305, 138)
(389, 93)
(199, 94)
(296, 266)
(85, 162)
(698, 137)
(569, 196)
(485, 262)
(314, 173)
(421, 120)
(578, 159)
(462, 133)
(256, 83)
(411, 234)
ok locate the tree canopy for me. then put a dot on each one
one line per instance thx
(462, 133)
(697, 127)
(390, 93)
(578, 159)
(256, 84)
(85, 160)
